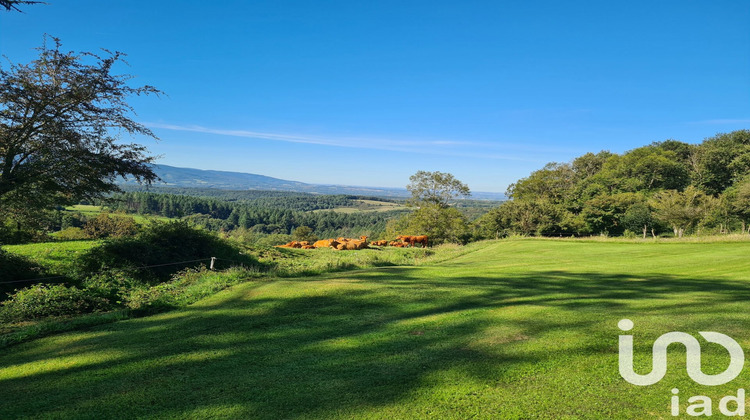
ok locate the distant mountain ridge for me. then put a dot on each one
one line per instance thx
(198, 178)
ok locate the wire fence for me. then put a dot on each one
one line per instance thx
(130, 268)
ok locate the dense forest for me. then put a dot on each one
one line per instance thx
(665, 187)
(261, 198)
(263, 215)
(170, 201)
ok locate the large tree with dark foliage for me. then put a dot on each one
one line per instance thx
(61, 117)
(13, 4)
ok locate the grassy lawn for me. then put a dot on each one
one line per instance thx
(55, 257)
(508, 329)
(86, 209)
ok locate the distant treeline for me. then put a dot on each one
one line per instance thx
(472, 209)
(262, 198)
(267, 215)
(667, 186)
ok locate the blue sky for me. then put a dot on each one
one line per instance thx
(367, 93)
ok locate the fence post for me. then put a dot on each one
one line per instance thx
(212, 263)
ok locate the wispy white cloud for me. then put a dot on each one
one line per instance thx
(725, 121)
(483, 150)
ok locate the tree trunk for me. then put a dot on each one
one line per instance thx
(653, 234)
(644, 231)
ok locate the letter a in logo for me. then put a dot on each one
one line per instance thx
(693, 347)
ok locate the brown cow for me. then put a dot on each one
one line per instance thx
(419, 239)
(326, 243)
(405, 239)
(356, 244)
(411, 240)
(351, 244)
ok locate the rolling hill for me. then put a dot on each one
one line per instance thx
(197, 178)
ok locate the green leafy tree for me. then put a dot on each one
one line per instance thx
(737, 202)
(436, 188)
(604, 213)
(439, 223)
(681, 150)
(648, 168)
(554, 183)
(530, 217)
(681, 210)
(304, 233)
(720, 161)
(432, 193)
(638, 217)
(590, 164)
(60, 117)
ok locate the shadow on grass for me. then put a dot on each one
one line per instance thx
(16, 272)
(323, 353)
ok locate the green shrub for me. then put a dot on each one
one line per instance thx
(153, 256)
(104, 226)
(629, 234)
(72, 234)
(115, 285)
(42, 300)
(186, 287)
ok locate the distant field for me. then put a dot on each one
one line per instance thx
(85, 209)
(368, 206)
(508, 330)
(93, 211)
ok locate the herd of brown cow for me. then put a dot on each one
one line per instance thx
(341, 244)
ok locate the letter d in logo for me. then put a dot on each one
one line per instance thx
(693, 347)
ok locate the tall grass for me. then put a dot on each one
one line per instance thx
(303, 263)
(713, 238)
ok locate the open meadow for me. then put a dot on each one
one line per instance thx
(363, 205)
(506, 329)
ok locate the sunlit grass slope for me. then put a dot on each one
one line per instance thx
(55, 257)
(514, 329)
